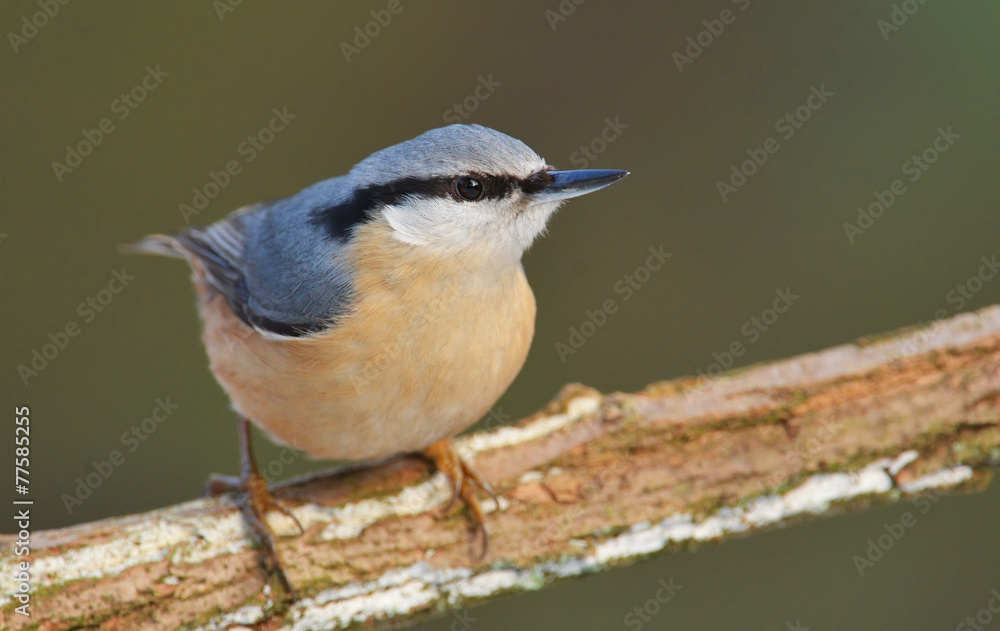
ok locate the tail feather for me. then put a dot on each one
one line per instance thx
(162, 244)
(215, 253)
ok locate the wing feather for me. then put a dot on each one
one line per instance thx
(218, 251)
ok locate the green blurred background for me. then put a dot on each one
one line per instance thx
(555, 84)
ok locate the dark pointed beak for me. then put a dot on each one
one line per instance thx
(567, 184)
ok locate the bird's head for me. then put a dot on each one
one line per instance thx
(468, 186)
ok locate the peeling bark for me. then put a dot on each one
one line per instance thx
(590, 482)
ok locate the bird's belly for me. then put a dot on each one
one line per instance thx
(395, 375)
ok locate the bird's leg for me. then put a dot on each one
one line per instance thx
(464, 479)
(254, 503)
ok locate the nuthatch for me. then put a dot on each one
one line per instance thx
(380, 312)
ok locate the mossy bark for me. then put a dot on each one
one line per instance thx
(588, 483)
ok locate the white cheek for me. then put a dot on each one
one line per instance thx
(405, 226)
(448, 225)
(531, 223)
(419, 222)
(441, 223)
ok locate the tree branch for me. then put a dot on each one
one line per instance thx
(590, 482)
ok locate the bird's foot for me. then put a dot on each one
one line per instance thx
(255, 500)
(464, 481)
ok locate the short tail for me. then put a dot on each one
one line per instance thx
(162, 244)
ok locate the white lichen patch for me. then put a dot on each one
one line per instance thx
(489, 506)
(308, 515)
(646, 540)
(228, 534)
(468, 446)
(377, 605)
(146, 543)
(901, 461)
(400, 591)
(215, 535)
(815, 495)
(531, 476)
(396, 592)
(488, 583)
(349, 520)
(940, 479)
(537, 476)
(250, 614)
(421, 572)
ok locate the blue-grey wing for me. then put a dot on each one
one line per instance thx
(277, 269)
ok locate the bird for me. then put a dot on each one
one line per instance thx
(380, 312)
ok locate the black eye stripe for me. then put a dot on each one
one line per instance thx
(536, 182)
(338, 221)
(494, 186)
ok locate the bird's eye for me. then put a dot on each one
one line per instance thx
(469, 188)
